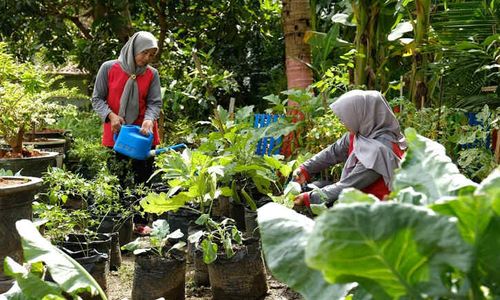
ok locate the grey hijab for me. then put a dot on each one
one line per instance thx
(368, 114)
(129, 101)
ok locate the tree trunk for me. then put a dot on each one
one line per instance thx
(296, 17)
(418, 89)
(296, 21)
(361, 16)
(16, 143)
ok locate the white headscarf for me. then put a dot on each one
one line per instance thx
(369, 116)
(129, 101)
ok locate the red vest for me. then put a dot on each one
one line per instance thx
(378, 188)
(116, 82)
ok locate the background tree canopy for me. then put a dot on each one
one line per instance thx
(208, 50)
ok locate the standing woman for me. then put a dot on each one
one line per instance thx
(127, 91)
(371, 150)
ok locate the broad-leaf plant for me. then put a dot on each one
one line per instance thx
(437, 237)
(69, 278)
(159, 242)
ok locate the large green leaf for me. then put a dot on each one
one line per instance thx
(392, 250)
(66, 272)
(160, 203)
(284, 238)
(352, 195)
(491, 187)
(479, 223)
(428, 170)
(29, 285)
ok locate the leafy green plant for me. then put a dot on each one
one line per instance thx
(476, 159)
(315, 124)
(192, 177)
(158, 242)
(60, 222)
(90, 155)
(25, 92)
(4, 172)
(105, 192)
(216, 235)
(69, 277)
(436, 238)
(82, 124)
(62, 184)
(249, 175)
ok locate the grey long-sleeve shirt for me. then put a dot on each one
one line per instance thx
(100, 94)
(359, 177)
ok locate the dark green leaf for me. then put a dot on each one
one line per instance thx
(284, 238)
(393, 250)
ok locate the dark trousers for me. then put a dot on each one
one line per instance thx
(130, 171)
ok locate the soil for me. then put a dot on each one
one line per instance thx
(24, 153)
(120, 285)
(9, 182)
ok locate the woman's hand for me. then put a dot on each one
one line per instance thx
(301, 199)
(299, 176)
(116, 122)
(147, 127)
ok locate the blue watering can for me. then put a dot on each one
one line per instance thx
(130, 142)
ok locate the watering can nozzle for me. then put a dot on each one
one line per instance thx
(165, 149)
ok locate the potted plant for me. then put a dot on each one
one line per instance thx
(235, 268)
(66, 189)
(16, 196)
(112, 212)
(25, 94)
(160, 264)
(70, 231)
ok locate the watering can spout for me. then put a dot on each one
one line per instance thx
(165, 149)
(132, 143)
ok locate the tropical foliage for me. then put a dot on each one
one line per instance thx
(68, 276)
(433, 239)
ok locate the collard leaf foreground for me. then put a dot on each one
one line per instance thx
(284, 238)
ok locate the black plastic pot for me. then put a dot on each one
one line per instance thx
(117, 223)
(221, 207)
(251, 225)
(201, 277)
(237, 213)
(80, 242)
(156, 277)
(242, 276)
(94, 262)
(181, 220)
(15, 204)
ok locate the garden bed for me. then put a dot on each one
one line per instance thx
(120, 284)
